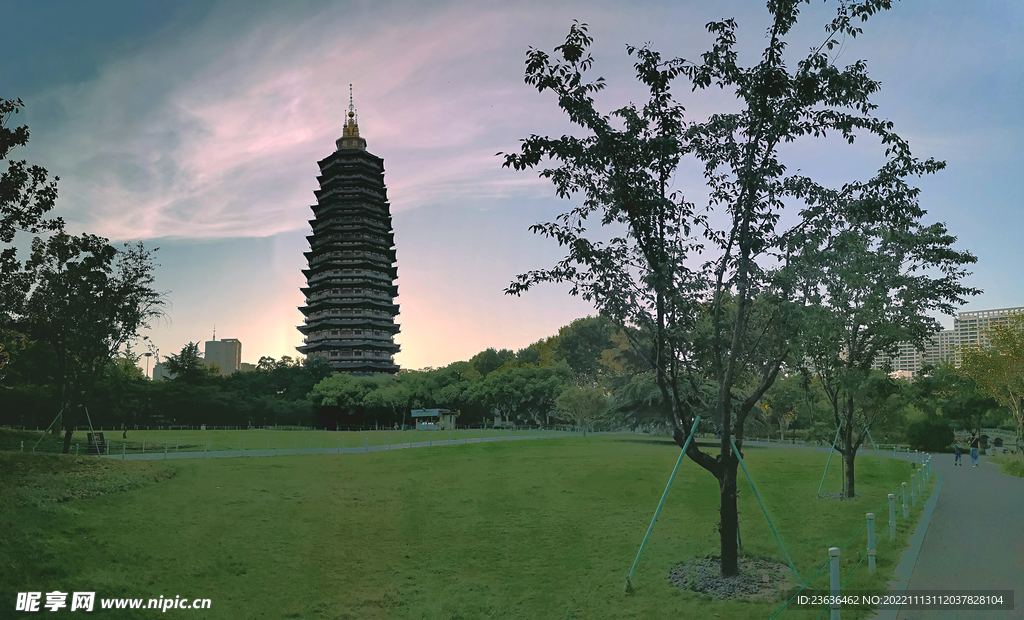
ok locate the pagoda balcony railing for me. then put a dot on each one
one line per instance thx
(338, 313)
(342, 238)
(360, 220)
(336, 254)
(351, 274)
(363, 207)
(377, 180)
(352, 193)
(350, 161)
(349, 294)
(341, 340)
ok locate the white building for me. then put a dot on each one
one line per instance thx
(968, 329)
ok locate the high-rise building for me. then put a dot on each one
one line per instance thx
(970, 326)
(350, 283)
(968, 329)
(226, 353)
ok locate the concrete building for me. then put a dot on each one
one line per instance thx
(350, 283)
(968, 329)
(160, 373)
(970, 326)
(226, 353)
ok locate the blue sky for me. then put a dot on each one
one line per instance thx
(196, 126)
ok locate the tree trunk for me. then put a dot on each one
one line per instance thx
(848, 460)
(728, 527)
(66, 420)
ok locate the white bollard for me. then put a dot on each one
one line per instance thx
(143, 446)
(892, 516)
(165, 450)
(913, 491)
(123, 449)
(904, 500)
(871, 543)
(366, 448)
(833, 581)
(176, 442)
(23, 446)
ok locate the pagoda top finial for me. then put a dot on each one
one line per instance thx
(350, 134)
(352, 124)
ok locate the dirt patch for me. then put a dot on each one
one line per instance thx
(758, 580)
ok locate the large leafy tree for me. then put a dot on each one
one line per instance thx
(719, 288)
(27, 194)
(88, 301)
(188, 367)
(945, 390)
(582, 405)
(879, 284)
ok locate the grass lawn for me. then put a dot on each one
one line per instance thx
(1009, 464)
(256, 439)
(537, 529)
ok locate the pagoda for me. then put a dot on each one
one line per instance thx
(350, 283)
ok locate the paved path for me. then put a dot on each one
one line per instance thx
(975, 540)
(212, 454)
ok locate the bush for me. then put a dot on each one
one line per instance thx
(930, 436)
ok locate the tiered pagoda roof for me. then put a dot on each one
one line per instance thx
(350, 283)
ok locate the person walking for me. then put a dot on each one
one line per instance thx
(956, 453)
(975, 445)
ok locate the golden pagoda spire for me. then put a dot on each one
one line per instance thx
(350, 133)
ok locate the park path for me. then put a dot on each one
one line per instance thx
(174, 454)
(974, 541)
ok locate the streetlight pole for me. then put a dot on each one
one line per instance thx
(148, 355)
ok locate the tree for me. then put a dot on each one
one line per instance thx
(489, 360)
(88, 301)
(581, 405)
(945, 390)
(877, 290)
(26, 196)
(719, 296)
(519, 391)
(341, 391)
(390, 396)
(188, 367)
(999, 369)
(581, 344)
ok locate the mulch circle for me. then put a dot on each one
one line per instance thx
(838, 496)
(759, 580)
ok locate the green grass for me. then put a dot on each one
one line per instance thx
(1010, 465)
(538, 529)
(256, 439)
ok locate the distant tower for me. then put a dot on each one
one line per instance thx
(350, 283)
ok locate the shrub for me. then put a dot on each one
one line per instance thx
(930, 436)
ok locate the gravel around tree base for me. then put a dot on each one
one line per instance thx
(758, 579)
(838, 496)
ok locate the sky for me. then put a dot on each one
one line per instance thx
(195, 126)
